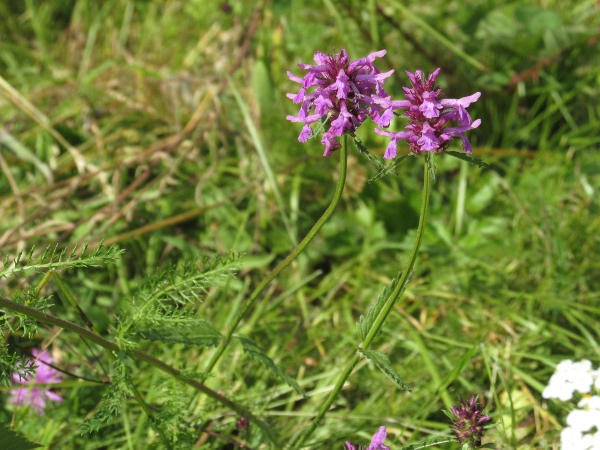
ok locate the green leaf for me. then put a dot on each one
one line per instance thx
(14, 441)
(365, 323)
(320, 127)
(430, 442)
(429, 156)
(256, 352)
(364, 151)
(390, 168)
(201, 333)
(472, 160)
(383, 363)
(458, 368)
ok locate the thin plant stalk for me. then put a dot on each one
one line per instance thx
(287, 261)
(379, 321)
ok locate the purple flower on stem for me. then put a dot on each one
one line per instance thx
(377, 442)
(32, 395)
(345, 92)
(428, 116)
(470, 422)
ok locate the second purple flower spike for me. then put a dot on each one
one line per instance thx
(346, 92)
(429, 116)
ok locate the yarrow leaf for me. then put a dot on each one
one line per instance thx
(55, 258)
(256, 352)
(472, 160)
(9, 439)
(200, 333)
(383, 363)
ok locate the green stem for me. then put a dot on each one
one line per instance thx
(138, 354)
(379, 321)
(286, 262)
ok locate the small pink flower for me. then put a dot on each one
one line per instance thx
(377, 442)
(429, 116)
(32, 395)
(343, 92)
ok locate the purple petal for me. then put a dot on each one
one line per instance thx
(341, 85)
(430, 106)
(463, 102)
(428, 141)
(378, 439)
(305, 133)
(390, 151)
(294, 78)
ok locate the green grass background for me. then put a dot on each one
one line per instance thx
(122, 125)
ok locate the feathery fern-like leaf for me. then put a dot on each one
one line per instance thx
(55, 258)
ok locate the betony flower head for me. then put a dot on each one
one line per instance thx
(36, 396)
(429, 116)
(345, 93)
(377, 442)
(470, 421)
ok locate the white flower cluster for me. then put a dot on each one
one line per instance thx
(583, 425)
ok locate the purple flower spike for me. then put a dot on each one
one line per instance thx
(470, 422)
(428, 117)
(345, 93)
(36, 396)
(377, 442)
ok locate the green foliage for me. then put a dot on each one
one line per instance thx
(361, 147)
(53, 258)
(383, 363)
(366, 322)
(471, 160)
(166, 300)
(257, 353)
(11, 362)
(390, 168)
(14, 441)
(199, 333)
(114, 397)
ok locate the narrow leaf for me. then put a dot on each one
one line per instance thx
(360, 146)
(390, 168)
(365, 323)
(430, 165)
(471, 159)
(256, 352)
(430, 442)
(383, 363)
(201, 333)
(14, 441)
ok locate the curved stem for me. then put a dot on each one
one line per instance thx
(138, 354)
(289, 258)
(379, 321)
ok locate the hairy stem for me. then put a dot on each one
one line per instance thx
(379, 321)
(137, 354)
(286, 262)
